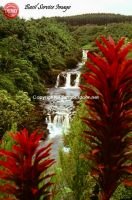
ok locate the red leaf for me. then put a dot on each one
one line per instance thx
(19, 166)
(109, 119)
(127, 183)
(95, 151)
(120, 43)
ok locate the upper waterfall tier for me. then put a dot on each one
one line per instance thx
(68, 79)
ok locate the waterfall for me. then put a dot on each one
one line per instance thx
(58, 120)
(48, 119)
(60, 110)
(68, 79)
(60, 123)
(57, 81)
(77, 80)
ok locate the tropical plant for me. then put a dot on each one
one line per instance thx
(109, 76)
(24, 168)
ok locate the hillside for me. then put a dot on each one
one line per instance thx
(87, 34)
(94, 18)
(31, 52)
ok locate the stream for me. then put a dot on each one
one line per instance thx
(60, 106)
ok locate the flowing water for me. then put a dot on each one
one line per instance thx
(60, 106)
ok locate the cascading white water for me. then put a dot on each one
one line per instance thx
(68, 80)
(48, 119)
(77, 80)
(59, 124)
(67, 77)
(59, 111)
(57, 81)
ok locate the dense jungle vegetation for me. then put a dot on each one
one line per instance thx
(32, 53)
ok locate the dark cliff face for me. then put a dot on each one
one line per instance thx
(49, 77)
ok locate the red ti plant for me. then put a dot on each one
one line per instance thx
(24, 168)
(109, 77)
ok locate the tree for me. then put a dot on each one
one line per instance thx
(13, 109)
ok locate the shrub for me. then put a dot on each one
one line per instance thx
(13, 109)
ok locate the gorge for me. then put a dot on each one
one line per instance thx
(60, 106)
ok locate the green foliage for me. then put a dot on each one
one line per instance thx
(74, 172)
(59, 189)
(94, 18)
(13, 109)
(87, 34)
(7, 140)
(73, 180)
(122, 193)
(51, 42)
(7, 83)
(29, 53)
(31, 48)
